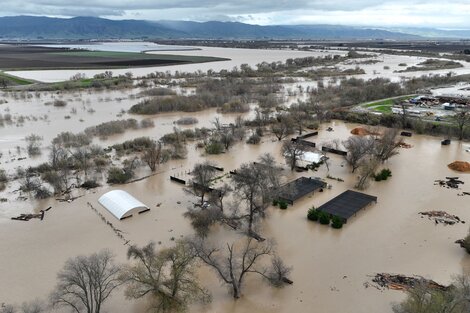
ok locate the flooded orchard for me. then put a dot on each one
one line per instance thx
(331, 268)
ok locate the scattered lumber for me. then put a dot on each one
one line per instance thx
(449, 182)
(401, 282)
(27, 217)
(442, 217)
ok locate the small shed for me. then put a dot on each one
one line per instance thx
(121, 204)
(347, 204)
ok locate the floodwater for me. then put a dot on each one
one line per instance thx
(237, 57)
(121, 46)
(330, 266)
(246, 56)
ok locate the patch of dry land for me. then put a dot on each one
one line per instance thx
(331, 267)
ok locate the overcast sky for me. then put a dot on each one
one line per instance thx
(421, 13)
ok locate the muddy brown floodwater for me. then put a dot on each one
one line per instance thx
(330, 266)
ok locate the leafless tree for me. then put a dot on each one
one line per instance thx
(167, 276)
(86, 282)
(387, 145)
(292, 152)
(202, 176)
(367, 168)
(284, 127)
(255, 185)
(461, 120)
(153, 156)
(35, 306)
(237, 260)
(300, 116)
(33, 144)
(226, 138)
(358, 148)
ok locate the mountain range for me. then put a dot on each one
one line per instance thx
(40, 27)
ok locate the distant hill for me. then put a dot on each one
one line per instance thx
(33, 27)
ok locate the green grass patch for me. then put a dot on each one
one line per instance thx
(386, 102)
(383, 108)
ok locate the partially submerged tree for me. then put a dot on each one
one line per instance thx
(202, 176)
(358, 148)
(284, 127)
(255, 185)
(387, 145)
(168, 277)
(86, 282)
(33, 144)
(367, 169)
(236, 261)
(153, 156)
(292, 152)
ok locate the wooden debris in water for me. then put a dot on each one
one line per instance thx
(449, 182)
(383, 281)
(27, 217)
(442, 217)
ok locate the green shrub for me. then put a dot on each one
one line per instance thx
(383, 175)
(324, 218)
(336, 222)
(275, 202)
(117, 175)
(313, 214)
(282, 204)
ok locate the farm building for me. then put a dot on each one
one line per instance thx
(121, 204)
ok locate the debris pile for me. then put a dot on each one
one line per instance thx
(442, 217)
(401, 282)
(450, 182)
(404, 145)
(460, 166)
(27, 217)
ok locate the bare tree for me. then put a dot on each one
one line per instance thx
(33, 144)
(86, 282)
(462, 120)
(226, 138)
(387, 145)
(167, 276)
(255, 185)
(367, 168)
(284, 127)
(236, 261)
(292, 152)
(153, 156)
(358, 148)
(299, 114)
(202, 176)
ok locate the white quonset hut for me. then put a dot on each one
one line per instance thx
(121, 204)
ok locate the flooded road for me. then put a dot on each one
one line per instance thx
(329, 266)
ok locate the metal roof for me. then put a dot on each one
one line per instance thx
(121, 204)
(299, 188)
(347, 204)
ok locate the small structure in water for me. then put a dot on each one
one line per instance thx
(121, 204)
(347, 204)
(299, 188)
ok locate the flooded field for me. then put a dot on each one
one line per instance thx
(331, 267)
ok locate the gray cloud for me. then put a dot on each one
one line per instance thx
(361, 12)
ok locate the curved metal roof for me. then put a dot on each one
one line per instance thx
(121, 204)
